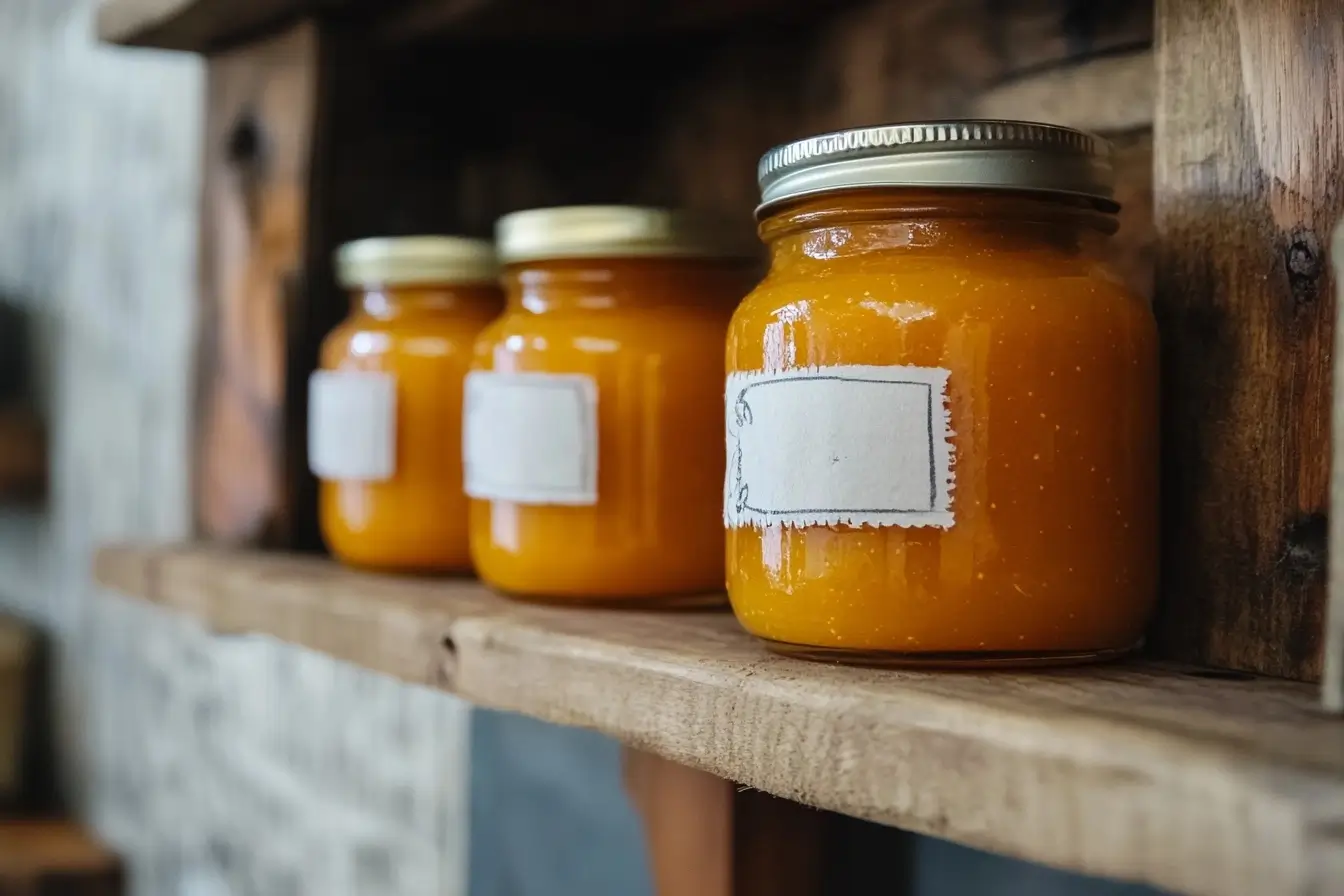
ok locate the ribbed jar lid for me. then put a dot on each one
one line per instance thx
(608, 231)
(402, 260)
(980, 154)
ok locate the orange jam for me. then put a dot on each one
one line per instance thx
(594, 409)
(385, 430)
(942, 428)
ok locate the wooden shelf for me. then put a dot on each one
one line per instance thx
(208, 25)
(1197, 781)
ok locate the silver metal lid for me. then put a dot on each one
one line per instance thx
(978, 154)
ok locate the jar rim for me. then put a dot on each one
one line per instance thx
(953, 154)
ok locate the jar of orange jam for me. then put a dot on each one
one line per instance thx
(941, 404)
(593, 427)
(385, 409)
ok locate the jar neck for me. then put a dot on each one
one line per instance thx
(604, 284)
(429, 300)
(934, 222)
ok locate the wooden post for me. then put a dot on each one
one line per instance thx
(710, 837)
(249, 465)
(1248, 181)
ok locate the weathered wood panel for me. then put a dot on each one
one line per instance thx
(1249, 180)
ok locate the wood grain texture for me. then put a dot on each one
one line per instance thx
(260, 106)
(1332, 677)
(55, 858)
(1249, 179)
(1190, 780)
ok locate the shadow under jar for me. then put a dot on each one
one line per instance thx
(385, 409)
(942, 404)
(593, 425)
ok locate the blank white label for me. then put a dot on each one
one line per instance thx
(848, 445)
(530, 437)
(352, 425)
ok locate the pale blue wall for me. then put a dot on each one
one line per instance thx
(548, 815)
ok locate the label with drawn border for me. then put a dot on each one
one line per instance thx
(853, 445)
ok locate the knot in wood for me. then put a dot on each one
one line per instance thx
(1302, 259)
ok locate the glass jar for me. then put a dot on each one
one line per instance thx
(593, 428)
(942, 404)
(385, 407)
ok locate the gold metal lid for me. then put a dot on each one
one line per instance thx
(608, 231)
(387, 261)
(979, 154)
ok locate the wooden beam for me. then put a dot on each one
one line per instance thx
(1194, 780)
(1248, 182)
(202, 26)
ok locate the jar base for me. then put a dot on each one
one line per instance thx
(664, 602)
(951, 660)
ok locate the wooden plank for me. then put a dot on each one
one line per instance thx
(587, 20)
(261, 103)
(1249, 179)
(199, 25)
(1332, 678)
(59, 858)
(210, 25)
(1200, 782)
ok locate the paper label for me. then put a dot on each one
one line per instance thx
(530, 437)
(848, 445)
(352, 425)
